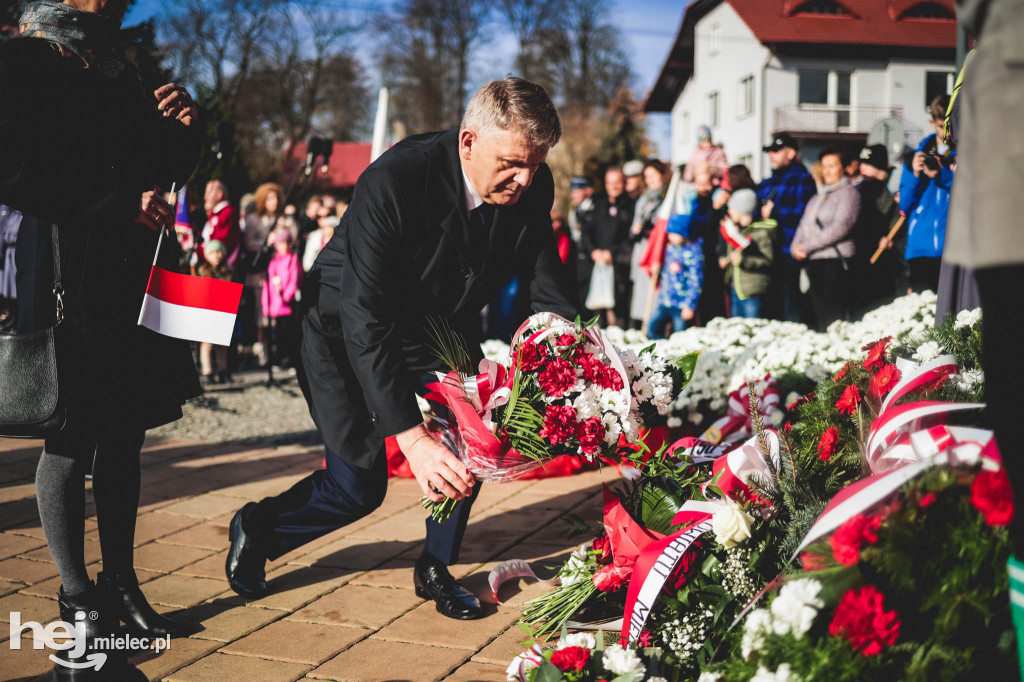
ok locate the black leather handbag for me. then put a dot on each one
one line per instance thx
(30, 404)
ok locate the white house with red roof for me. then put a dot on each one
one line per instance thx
(825, 71)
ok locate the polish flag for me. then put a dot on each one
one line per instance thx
(189, 307)
(733, 235)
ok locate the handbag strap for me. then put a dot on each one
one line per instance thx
(58, 285)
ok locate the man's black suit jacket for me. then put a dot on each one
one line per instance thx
(401, 254)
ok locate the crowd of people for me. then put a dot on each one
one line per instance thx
(800, 245)
(266, 244)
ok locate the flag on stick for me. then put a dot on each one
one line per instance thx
(189, 307)
(186, 306)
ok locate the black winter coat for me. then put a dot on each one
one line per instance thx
(78, 149)
(402, 253)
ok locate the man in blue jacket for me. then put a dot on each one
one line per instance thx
(924, 198)
(784, 196)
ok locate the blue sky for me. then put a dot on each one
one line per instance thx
(648, 28)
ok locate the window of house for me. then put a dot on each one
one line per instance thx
(715, 39)
(813, 87)
(937, 83)
(821, 7)
(928, 10)
(746, 98)
(713, 110)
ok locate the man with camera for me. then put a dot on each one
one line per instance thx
(924, 198)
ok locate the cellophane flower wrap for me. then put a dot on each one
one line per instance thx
(566, 390)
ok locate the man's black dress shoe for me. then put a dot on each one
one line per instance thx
(245, 566)
(130, 605)
(433, 581)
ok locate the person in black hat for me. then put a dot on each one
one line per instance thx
(875, 284)
(784, 196)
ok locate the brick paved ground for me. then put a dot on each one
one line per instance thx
(341, 608)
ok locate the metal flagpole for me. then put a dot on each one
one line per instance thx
(163, 228)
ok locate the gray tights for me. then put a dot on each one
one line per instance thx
(60, 493)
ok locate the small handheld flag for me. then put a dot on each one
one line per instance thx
(189, 307)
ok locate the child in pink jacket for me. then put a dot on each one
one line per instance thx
(284, 277)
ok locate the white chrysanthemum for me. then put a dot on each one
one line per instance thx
(620, 660)
(967, 318)
(795, 607)
(583, 639)
(927, 351)
(755, 627)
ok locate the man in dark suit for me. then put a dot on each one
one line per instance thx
(437, 224)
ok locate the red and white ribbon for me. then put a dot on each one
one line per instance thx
(938, 446)
(737, 423)
(657, 562)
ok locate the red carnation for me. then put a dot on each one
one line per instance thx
(559, 423)
(590, 433)
(849, 537)
(571, 658)
(565, 340)
(884, 381)
(531, 356)
(603, 545)
(827, 444)
(645, 639)
(590, 365)
(992, 496)
(608, 378)
(876, 353)
(861, 620)
(787, 427)
(557, 378)
(611, 577)
(847, 403)
(927, 500)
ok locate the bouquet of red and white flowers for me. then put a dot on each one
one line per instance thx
(567, 391)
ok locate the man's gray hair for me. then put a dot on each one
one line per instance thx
(517, 105)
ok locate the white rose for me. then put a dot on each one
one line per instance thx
(731, 525)
(796, 606)
(620, 660)
(583, 639)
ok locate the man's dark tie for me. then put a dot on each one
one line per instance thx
(480, 220)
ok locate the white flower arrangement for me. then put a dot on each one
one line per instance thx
(736, 350)
(620, 660)
(686, 635)
(796, 606)
(755, 627)
(967, 318)
(736, 576)
(583, 639)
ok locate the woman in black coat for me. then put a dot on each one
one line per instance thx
(83, 147)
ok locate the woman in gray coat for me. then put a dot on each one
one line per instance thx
(824, 241)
